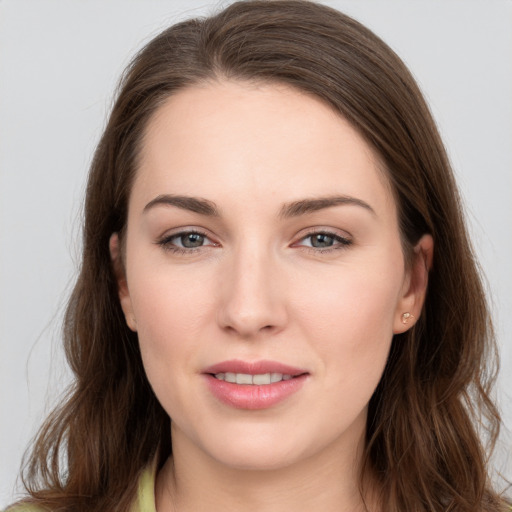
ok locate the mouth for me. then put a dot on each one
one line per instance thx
(260, 379)
(259, 373)
(258, 385)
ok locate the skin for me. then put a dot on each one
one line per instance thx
(257, 289)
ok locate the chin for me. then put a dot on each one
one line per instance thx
(257, 459)
(259, 450)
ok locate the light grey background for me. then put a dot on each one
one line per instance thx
(59, 62)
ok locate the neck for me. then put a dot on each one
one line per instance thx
(329, 481)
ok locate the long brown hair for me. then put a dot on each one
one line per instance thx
(427, 414)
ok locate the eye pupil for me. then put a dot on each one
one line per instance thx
(322, 240)
(191, 240)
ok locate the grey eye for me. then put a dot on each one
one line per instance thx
(321, 240)
(324, 240)
(191, 240)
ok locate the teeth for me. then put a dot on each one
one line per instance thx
(276, 377)
(264, 378)
(258, 380)
(243, 378)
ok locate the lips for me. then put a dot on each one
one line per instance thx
(260, 379)
(253, 385)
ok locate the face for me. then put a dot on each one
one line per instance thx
(264, 273)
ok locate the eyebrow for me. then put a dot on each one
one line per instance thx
(193, 204)
(294, 209)
(305, 206)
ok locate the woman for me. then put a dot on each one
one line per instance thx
(278, 307)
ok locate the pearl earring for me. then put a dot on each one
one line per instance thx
(406, 317)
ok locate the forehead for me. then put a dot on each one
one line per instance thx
(232, 139)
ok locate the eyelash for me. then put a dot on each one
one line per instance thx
(167, 245)
(341, 241)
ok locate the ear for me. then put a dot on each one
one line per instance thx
(122, 285)
(415, 286)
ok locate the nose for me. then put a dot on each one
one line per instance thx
(253, 295)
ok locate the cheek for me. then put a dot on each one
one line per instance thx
(169, 302)
(351, 325)
(351, 330)
(352, 304)
(171, 315)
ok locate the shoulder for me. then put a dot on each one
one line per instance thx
(25, 507)
(144, 500)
